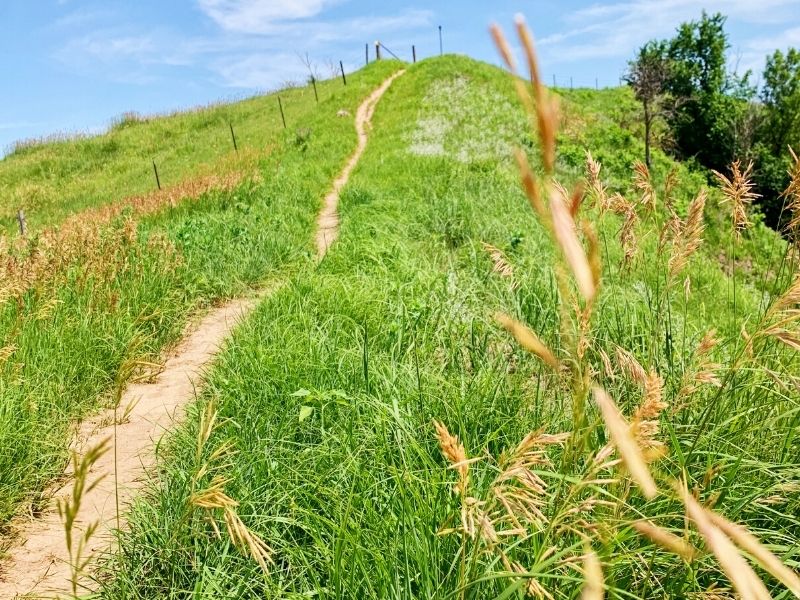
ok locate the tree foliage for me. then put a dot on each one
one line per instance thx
(715, 116)
(705, 123)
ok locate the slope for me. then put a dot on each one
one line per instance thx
(52, 178)
(327, 396)
(100, 483)
(88, 307)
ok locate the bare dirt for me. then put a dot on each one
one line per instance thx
(37, 564)
(328, 220)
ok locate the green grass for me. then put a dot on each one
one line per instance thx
(50, 180)
(328, 392)
(128, 292)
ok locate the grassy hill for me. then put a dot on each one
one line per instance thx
(50, 180)
(111, 288)
(326, 397)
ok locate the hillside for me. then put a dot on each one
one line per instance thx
(334, 411)
(50, 180)
(117, 283)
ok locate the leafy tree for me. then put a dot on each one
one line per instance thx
(780, 129)
(648, 75)
(781, 98)
(715, 116)
(703, 122)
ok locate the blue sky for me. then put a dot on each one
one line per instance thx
(72, 65)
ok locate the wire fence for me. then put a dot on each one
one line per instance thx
(372, 52)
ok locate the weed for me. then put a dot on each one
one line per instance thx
(69, 510)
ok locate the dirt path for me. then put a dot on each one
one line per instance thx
(37, 565)
(328, 220)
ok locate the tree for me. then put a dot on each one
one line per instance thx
(703, 122)
(781, 97)
(648, 75)
(714, 115)
(780, 129)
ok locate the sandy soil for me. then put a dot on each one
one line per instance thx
(328, 220)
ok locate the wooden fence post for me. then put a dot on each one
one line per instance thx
(377, 50)
(155, 170)
(283, 117)
(441, 51)
(314, 83)
(233, 137)
(23, 227)
(366, 53)
(344, 79)
(414, 53)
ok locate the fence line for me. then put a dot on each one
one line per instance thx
(559, 81)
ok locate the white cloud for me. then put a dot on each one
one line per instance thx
(615, 30)
(753, 54)
(782, 41)
(20, 124)
(259, 16)
(258, 71)
(116, 47)
(126, 55)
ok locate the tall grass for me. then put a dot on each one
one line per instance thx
(57, 176)
(393, 440)
(118, 283)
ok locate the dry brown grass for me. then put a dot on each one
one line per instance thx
(689, 237)
(643, 183)
(500, 262)
(211, 497)
(98, 249)
(738, 192)
(792, 194)
(69, 509)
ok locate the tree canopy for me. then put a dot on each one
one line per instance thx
(716, 116)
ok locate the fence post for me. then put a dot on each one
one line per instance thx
(283, 117)
(155, 170)
(366, 53)
(440, 41)
(23, 227)
(344, 79)
(233, 137)
(414, 53)
(314, 83)
(377, 50)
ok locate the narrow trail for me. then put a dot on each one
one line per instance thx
(328, 220)
(37, 565)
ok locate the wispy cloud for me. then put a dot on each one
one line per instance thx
(259, 16)
(752, 55)
(249, 59)
(20, 124)
(614, 30)
(112, 48)
(79, 18)
(258, 71)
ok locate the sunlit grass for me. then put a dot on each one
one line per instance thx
(341, 392)
(77, 302)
